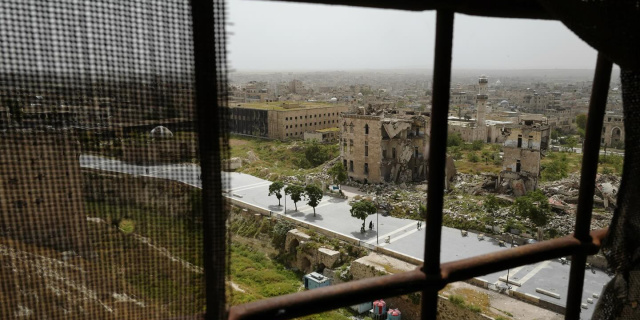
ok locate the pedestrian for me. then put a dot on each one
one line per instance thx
(418, 225)
(371, 225)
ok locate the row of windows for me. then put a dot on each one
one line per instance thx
(366, 128)
(314, 116)
(366, 166)
(310, 124)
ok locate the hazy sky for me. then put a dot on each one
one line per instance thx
(284, 36)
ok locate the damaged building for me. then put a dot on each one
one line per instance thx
(378, 147)
(524, 146)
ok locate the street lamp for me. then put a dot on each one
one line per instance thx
(377, 226)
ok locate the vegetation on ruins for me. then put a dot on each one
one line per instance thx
(338, 172)
(534, 206)
(276, 189)
(557, 169)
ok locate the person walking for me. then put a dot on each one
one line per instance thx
(371, 225)
(418, 225)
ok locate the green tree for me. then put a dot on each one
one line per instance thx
(555, 134)
(422, 211)
(314, 195)
(477, 145)
(581, 121)
(362, 209)
(557, 169)
(572, 142)
(315, 153)
(276, 188)
(491, 206)
(535, 206)
(454, 140)
(473, 157)
(295, 192)
(339, 173)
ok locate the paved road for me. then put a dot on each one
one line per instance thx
(333, 214)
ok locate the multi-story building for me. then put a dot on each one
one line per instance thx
(283, 121)
(524, 143)
(41, 189)
(379, 148)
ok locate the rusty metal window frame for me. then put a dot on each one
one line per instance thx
(433, 275)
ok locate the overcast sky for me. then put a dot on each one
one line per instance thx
(283, 36)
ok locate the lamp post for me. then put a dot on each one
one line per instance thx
(377, 226)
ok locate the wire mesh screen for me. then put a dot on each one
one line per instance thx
(100, 183)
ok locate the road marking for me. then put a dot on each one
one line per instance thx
(535, 270)
(512, 272)
(250, 186)
(411, 225)
(401, 236)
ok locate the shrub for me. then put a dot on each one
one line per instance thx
(473, 157)
(477, 145)
(454, 140)
(457, 300)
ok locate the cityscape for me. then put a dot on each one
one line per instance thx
(324, 168)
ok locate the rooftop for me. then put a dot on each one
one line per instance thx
(285, 105)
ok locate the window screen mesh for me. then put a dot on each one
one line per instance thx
(100, 214)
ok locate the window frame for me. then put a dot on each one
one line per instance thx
(433, 275)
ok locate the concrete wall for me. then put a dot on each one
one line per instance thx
(40, 190)
(160, 195)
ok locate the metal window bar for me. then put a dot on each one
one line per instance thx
(433, 275)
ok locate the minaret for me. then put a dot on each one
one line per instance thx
(481, 102)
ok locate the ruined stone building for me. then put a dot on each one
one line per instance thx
(379, 148)
(41, 189)
(283, 121)
(613, 130)
(523, 148)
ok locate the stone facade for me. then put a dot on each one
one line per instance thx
(523, 146)
(41, 189)
(379, 149)
(283, 121)
(307, 257)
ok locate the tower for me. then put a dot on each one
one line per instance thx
(481, 102)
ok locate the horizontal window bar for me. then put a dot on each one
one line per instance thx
(350, 293)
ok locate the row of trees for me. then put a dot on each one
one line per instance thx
(311, 192)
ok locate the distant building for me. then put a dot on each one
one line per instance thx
(283, 120)
(613, 130)
(472, 130)
(523, 147)
(384, 148)
(41, 189)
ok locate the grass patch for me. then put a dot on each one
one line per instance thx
(277, 158)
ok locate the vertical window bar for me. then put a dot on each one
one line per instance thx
(205, 39)
(437, 157)
(590, 154)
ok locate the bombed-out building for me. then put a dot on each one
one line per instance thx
(524, 145)
(283, 120)
(383, 147)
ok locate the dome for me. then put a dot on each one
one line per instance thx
(161, 132)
